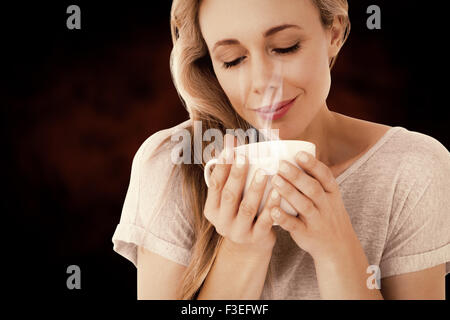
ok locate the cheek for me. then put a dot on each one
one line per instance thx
(234, 95)
(235, 90)
(312, 74)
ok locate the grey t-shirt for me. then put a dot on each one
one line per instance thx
(397, 196)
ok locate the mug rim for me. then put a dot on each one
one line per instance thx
(276, 141)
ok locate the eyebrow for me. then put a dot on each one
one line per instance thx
(266, 34)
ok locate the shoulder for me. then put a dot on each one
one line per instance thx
(154, 173)
(152, 164)
(158, 145)
(413, 160)
(417, 150)
(412, 142)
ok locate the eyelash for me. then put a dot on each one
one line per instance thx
(292, 49)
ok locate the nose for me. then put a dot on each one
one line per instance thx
(265, 75)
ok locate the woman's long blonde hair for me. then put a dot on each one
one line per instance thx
(205, 100)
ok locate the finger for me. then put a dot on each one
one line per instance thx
(251, 201)
(296, 199)
(232, 190)
(225, 157)
(318, 170)
(218, 178)
(288, 222)
(304, 183)
(230, 142)
(265, 221)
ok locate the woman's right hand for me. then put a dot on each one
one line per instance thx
(234, 218)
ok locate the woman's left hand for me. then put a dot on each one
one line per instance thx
(323, 227)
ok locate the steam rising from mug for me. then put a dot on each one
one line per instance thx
(273, 93)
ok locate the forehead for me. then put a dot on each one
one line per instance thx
(243, 19)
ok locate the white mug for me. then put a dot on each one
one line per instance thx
(267, 155)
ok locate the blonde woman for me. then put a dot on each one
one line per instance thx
(373, 204)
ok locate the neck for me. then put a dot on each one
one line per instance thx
(323, 132)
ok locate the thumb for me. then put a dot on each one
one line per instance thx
(230, 142)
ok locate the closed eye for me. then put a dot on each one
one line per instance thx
(292, 49)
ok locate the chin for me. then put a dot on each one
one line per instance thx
(282, 134)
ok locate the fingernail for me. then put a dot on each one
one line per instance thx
(259, 175)
(302, 157)
(274, 194)
(284, 167)
(277, 180)
(228, 156)
(240, 161)
(276, 213)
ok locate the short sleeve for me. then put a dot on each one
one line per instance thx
(154, 215)
(419, 233)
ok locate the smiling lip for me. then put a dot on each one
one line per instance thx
(274, 107)
(277, 114)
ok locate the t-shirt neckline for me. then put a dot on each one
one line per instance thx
(355, 165)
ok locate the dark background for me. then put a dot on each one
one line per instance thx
(77, 104)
